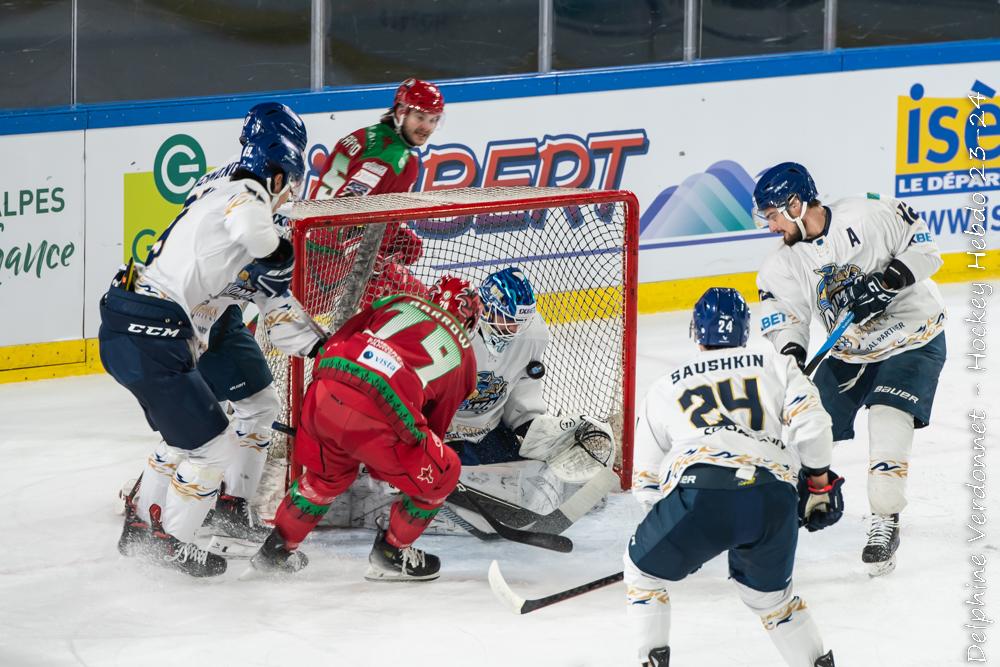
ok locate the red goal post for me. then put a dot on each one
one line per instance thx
(579, 248)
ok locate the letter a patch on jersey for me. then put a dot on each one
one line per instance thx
(853, 237)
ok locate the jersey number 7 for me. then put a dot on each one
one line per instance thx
(706, 414)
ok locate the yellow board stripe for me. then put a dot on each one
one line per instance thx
(40, 361)
(44, 361)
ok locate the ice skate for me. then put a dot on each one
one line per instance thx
(388, 563)
(658, 657)
(136, 535)
(825, 660)
(883, 540)
(233, 517)
(274, 558)
(187, 557)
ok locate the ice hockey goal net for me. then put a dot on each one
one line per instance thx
(579, 249)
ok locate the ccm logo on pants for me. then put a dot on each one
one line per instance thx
(153, 331)
(892, 391)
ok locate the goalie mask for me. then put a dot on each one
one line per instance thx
(458, 298)
(508, 306)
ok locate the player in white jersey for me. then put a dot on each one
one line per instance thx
(873, 257)
(234, 365)
(507, 419)
(732, 453)
(151, 336)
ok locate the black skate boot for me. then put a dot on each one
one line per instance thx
(658, 657)
(825, 660)
(388, 563)
(168, 551)
(234, 518)
(136, 534)
(274, 558)
(883, 540)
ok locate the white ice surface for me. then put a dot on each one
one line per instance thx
(68, 598)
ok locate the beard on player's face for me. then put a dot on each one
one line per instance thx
(791, 237)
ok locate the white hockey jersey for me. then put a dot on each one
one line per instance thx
(505, 392)
(222, 228)
(739, 407)
(862, 236)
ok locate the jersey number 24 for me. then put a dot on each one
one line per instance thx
(706, 411)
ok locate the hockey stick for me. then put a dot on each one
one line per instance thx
(466, 499)
(558, 519)
(559, 543)
(519, 605)
(831, 340)
(460, 521)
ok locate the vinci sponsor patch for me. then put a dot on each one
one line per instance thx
(947, 144)
(384, 362)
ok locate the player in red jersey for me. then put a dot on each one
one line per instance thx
(379, 160)
(385, 387)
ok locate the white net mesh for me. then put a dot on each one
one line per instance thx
(571, 244)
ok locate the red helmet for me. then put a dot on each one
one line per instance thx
(420, 95)
(458, 297)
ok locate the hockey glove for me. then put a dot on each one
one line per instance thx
(797, 352)
(270, 275)
(820, 508)
(869, 298)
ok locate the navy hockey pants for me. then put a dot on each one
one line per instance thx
(145, 346)
(758, 525)
(233, 366)
(907, 382)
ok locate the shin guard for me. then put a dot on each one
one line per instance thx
(301, 509)
(788, 623)
(254, 416)
(890, 434)
(408, 519)
(648, 610)
(160, 468)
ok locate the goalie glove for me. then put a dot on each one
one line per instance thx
(575, 448)
(820, 508)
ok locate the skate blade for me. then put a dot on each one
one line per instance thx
(883, 568)
(232, 548)
(374, 574)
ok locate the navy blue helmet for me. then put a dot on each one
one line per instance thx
(508, 306)
(777, 185)
(274, 117)
(269, 154)
(721, 318)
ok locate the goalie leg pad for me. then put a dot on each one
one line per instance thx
(890, 433)
(254, 416)
(648, 609)
(787, 621)
(195, 484)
